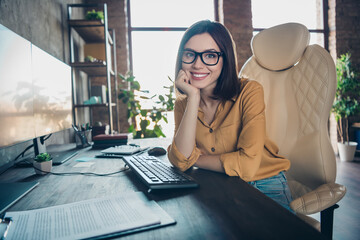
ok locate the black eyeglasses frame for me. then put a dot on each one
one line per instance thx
(201, 56)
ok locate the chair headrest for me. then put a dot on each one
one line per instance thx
(280, 47)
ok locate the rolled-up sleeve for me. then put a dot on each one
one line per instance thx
(246, 160)
(179, 160)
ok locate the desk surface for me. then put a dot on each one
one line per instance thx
(221, 208)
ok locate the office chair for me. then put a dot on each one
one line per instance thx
(299, 82)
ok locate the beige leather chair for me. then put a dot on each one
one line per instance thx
(299, 83)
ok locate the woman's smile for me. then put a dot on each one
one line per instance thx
(198, 76)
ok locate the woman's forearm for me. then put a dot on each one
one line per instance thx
(185, 135)
(210, 162)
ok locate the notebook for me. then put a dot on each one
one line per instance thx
(12, 192)
(123, 150)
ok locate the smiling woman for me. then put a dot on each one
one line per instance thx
(220, 119)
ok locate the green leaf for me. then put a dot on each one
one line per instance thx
(143, 113)
(43, 157)
(131, 128)
(144, 124)
(165, 119)
(158, 116)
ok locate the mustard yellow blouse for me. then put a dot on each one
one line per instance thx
(237, 133)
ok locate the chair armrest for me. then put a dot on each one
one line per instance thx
(319, 199)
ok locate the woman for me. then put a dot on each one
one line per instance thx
(219, 119)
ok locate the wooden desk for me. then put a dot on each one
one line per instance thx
(221, 208)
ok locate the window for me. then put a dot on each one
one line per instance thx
(308, 12)
(155, 31)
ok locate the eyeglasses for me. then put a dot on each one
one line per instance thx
(209, 58)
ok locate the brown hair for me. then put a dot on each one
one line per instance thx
(227, 85)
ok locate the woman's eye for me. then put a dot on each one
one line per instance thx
(189, 54)
(210, 55)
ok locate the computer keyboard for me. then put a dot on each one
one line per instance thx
(156, 174)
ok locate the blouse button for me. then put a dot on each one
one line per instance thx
(211, 130)
(213, 149)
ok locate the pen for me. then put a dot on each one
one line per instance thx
(9, 220)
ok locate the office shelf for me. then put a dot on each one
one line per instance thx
(93, 32)
(94, 105)
(95, 69)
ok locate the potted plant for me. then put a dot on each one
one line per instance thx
(42, 163)
(346, 104)
(145, 122)
(95, 15)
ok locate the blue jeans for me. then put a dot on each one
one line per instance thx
(275, 187)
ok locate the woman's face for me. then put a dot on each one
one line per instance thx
(203, 76)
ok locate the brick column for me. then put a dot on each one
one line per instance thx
(237, 17)
(347, 23)
(348, 29)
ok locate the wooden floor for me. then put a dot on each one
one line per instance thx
(347, 216)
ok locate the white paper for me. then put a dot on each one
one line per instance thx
(83, 164)
(83, 219)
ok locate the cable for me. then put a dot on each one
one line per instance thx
(44, 138)
(23, 152)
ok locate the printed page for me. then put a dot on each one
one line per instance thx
(90, 218)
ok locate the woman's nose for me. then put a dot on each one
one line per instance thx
(198, 62)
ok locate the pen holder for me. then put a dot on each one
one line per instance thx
(83, 138)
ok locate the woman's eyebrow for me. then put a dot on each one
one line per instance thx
(206, 50)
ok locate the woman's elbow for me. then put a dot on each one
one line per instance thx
(179, 165)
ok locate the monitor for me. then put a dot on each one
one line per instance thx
(35, 92)
(16, 89)
(35, 101)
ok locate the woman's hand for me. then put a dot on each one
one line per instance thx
(185, 134)
(183, 83)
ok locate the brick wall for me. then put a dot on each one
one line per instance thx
(237, 17)
(347, 21)
(344, 36)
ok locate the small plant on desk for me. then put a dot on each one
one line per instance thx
(42, 163)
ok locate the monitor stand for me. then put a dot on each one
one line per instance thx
(60, 153)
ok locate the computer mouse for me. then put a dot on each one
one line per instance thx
(157, 151)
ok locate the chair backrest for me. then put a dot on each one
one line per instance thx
(299, 83)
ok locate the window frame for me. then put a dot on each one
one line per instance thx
(324, 31)
(153, 29)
